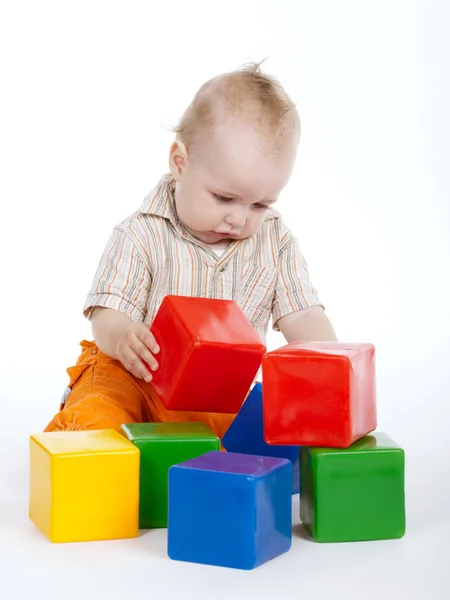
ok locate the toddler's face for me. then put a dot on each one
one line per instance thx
(224, 192)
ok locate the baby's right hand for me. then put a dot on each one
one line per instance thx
(136, 345)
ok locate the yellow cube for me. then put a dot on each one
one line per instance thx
(84, 485)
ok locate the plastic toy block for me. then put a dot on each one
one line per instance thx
(162, 445)
(296, 483)
(246, 435)
(354, 494)
(319, 394)
(209, 354)
(84, 485)
(230, 510)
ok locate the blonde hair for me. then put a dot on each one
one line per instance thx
(248, 92)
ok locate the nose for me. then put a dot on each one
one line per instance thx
(237, 218)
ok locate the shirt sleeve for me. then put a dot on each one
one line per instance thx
(294, 289)
(122, 280)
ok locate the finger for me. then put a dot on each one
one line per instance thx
(134, 364)
(147, 338)
(133, 371)
(144, 353)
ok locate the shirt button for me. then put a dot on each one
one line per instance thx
(222, 269)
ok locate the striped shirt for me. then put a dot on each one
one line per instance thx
(151, 255)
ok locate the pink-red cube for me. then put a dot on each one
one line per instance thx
(319, 394)
(209, 354)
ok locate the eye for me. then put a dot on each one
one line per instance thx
(223, 199)
(260, 206)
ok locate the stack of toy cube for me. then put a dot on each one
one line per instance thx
(306, 426)
(322, 396)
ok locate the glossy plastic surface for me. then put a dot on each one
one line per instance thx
(246, 435)
(162, 445)
(230, 510)
(209, 354)
(296, 483)
(84, 485)
(356, 493)
(319, 394)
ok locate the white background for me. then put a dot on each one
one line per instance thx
(87, 93)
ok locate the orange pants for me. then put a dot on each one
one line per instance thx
(102, 394)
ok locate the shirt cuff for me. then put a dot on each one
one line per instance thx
(115, 302)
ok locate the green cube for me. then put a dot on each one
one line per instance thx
(354, 494)
(162, 445)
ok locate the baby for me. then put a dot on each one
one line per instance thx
(208, 229)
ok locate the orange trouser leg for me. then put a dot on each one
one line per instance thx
(217, 422)
(104, 395)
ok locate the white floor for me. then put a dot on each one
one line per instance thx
(415, 567)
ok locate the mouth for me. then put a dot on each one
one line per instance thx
(222, 234)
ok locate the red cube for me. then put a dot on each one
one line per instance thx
(209, 354)
(319, 394)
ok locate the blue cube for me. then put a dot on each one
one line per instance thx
(296, 489)
(246, 435)
(230, 510)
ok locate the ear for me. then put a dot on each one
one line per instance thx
(178, 157)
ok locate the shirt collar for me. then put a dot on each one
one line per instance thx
(160, 201)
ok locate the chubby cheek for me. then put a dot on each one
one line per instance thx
(200, 215)
(207, 216)
(254, 222)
